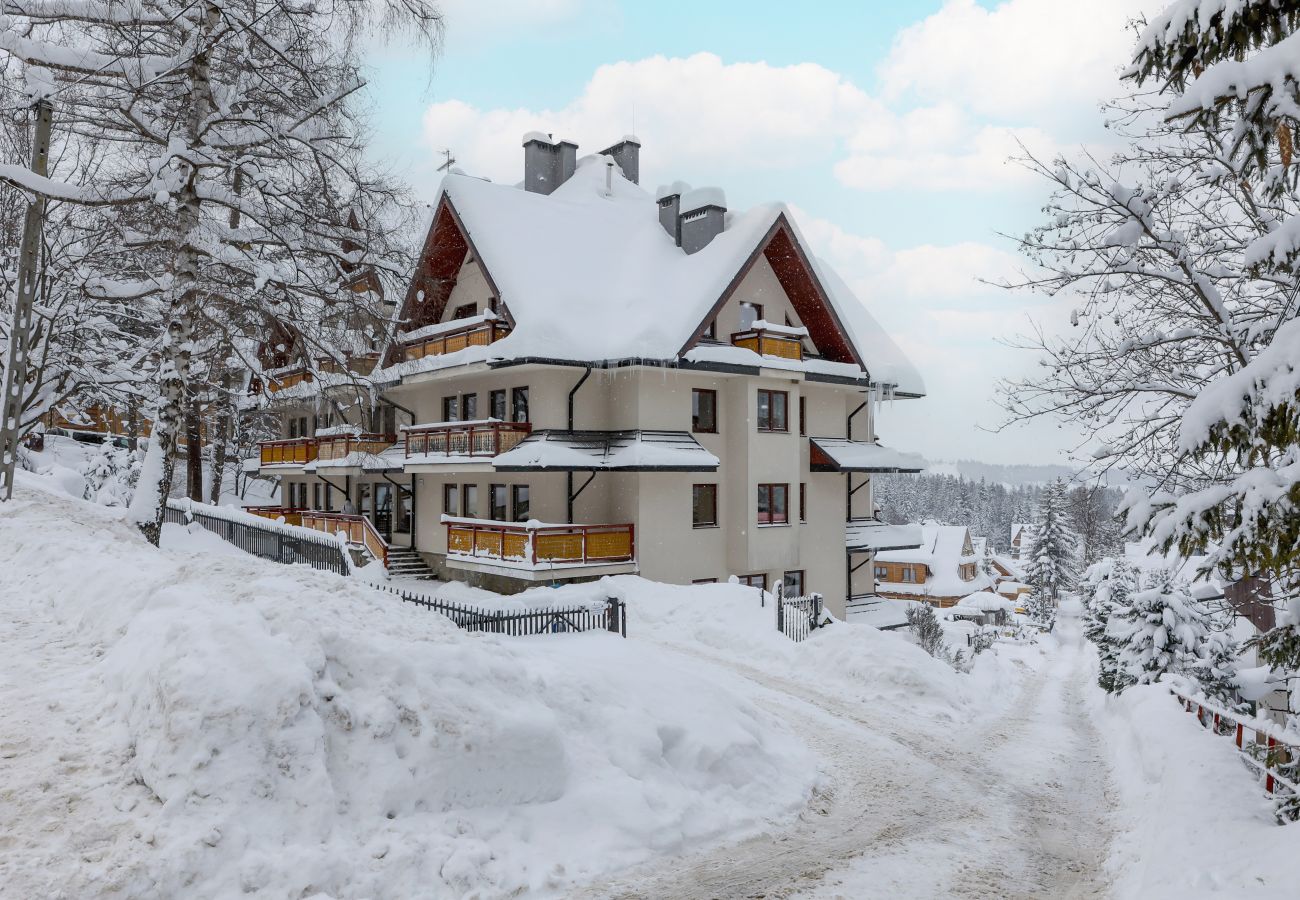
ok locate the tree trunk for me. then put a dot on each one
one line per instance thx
(132, 425)
(177, 345)
(194, 450)
(221, 434)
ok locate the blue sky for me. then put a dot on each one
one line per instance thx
(886, 125)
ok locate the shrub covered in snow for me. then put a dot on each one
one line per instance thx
(1158, 631)
(111, 475)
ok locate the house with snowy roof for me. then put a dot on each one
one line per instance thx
(1022, 534)
(940, 571)
(589, 379)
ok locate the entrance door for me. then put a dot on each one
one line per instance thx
(382, 517)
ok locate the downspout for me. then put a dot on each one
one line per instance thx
(848, 505)
(333, 485)
(568, 478)
(397, 405)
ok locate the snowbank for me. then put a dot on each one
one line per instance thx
(250, 727)
(1192, 820)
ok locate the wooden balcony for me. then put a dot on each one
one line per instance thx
(766, 342)
(357, 530)
(291, 515)
(339, 446)
(478, 333)
(287, 378)
(535, 545)
(487, 438)
(291, 452)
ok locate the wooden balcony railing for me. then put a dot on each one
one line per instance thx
(294, 451)
(478, 334)
(279, 381)
(768, 343)
(340, 445)
(357, 530)
(537, 544)
(465, 438)
(292, 515)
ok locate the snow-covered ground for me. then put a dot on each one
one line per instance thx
(199, 722)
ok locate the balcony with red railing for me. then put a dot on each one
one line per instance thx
(536, 545)
(484, 438)
(335, 446)
(436, 340)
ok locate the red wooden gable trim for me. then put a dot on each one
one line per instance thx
(795, 273)
(445, 249)
(819, 457)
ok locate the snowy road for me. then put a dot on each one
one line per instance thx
(1016, 807)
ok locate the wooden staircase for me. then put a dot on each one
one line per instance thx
(403, 562)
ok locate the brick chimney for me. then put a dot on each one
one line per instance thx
(669, 198)
(547, 163)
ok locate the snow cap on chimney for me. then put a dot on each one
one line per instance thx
(702, 217)
(547, 163)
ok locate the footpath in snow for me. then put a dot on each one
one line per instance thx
(198, 722)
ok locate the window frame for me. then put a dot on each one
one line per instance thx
(494, 396)
(767, 424)
(881, 572)
(451, 408)
(748, 580)
(704, 581)
(803, 416)
(495, 490)
(713, 397)
(515, 491)
(758, 314)
(515, 394)
(773, 490)
(468, 509)
(451, 499)
(469, 407)
(695, 490)
(785, 579)
(460, 312)
(803, 501)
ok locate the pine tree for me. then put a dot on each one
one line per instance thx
(1216, 670)
(929, 633)
(1041, 610)
(1159, 631)
(1053, 548)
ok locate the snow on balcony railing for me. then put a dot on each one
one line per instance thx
(448, 337)
(341, 446)
(355, 529)
(536, 544)
(483, 437)
(767, 339)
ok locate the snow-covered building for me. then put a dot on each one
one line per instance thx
(589, 379)
(942, 570)
(1022, 534)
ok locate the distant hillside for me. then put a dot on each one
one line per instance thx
(1010, 475)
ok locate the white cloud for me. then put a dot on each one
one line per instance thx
(698, 113)
(1022, 60)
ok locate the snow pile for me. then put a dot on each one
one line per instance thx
(260, 728)
(1192, 820)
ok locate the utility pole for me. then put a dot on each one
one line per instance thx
(15, 372)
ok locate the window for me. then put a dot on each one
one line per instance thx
(772, 504)
(497, 502)
(909, 574)
(749, 314)
(772, 407)
(465, 311)
(803, 501)
(469, 496)
(315, 496)
(704, 505)
(704, 581)
(519, 404)
(298, 427)
(450, 409)
(792, 583)
(704, 411)
(468, 407)
(758, 581)
(497, 405)
(329, 497)
(364, 498)
(803, 415)
(519, 498)
(882, 573)
(451, 499)
(711, 331)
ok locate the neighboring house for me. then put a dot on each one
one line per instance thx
(985, 607)
(591, 380)
(942, 570)
(1021, 536)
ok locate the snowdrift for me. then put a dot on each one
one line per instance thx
(275, 730)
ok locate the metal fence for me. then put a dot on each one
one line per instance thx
(607, 615)
(797, 617)
(268, 543)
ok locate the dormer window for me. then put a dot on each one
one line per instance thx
(465, 311)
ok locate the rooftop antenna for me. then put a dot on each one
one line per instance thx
(451, 160)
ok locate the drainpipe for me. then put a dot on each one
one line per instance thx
(568, 480)
(396, 405)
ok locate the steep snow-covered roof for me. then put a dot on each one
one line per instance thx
(589, 274)
(941, 551)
